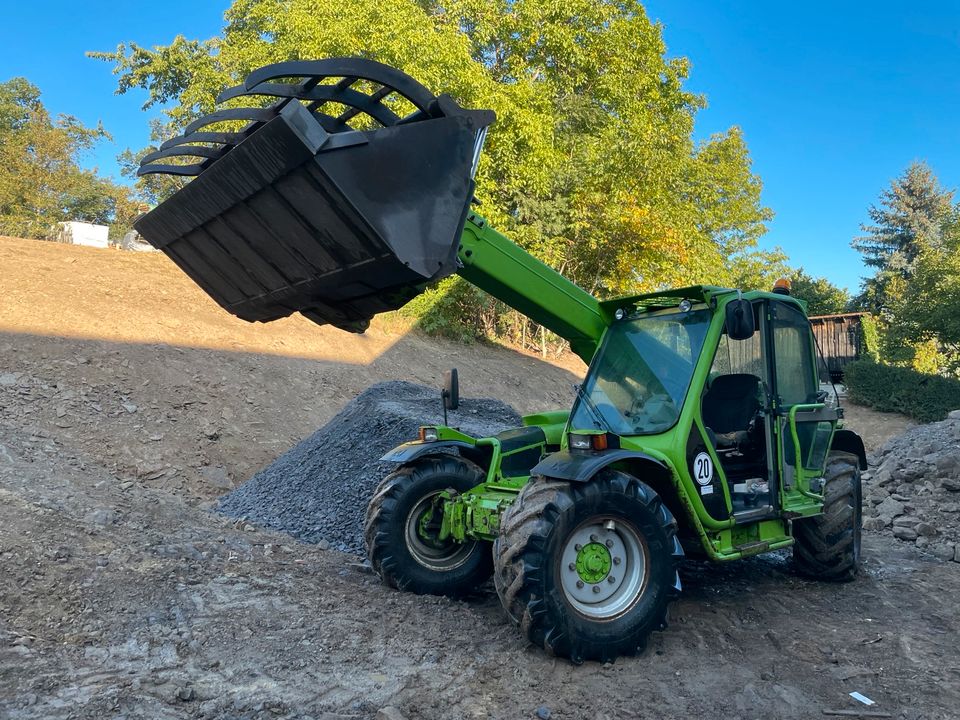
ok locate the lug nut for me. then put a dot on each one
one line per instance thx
(579, 583)
(572, 567)
(578, 547)
(593, 538)
(611, 579)
(596, 588)
(617, 561)
(609, 543)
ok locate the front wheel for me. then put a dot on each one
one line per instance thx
(402, 526)
(827, 546)
(587, 569)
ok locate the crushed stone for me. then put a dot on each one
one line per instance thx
(913, 491)
(318, 490)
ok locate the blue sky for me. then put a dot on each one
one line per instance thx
(834, 99)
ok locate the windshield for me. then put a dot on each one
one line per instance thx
(638, 380)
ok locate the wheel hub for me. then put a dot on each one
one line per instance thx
(603, 567)
(423, 542)
(593, 563)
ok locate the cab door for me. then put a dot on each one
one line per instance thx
(803, 422)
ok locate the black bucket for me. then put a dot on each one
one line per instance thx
(298, 212)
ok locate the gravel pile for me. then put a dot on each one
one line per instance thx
(914, 492)
(318, 491)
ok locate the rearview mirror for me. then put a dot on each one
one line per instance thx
(740, 325)
(451, 390)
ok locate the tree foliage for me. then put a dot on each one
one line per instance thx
(909, 219)
(592, 164)
(915, 247)
(42, 182)
(822, 296)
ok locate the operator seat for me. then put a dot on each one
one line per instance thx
(729, 405)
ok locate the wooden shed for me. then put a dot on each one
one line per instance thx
(840, 338)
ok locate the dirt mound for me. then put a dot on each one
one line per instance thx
(318, 491)
(914, 493)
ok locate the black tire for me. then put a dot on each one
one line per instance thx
(409, 562)
(827, 546)
(535, 534)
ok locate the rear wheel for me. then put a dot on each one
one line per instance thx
(827, 546)
(587, 569)
(403, 523)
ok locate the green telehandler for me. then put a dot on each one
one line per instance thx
(700, 428)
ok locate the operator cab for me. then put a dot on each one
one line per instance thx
(735, 408)
(754, 385)
(756, 405)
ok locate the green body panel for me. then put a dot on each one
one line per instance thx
(499, 267)
(553, 424)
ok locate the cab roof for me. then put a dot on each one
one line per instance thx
(709, 294)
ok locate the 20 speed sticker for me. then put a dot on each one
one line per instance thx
(703, 469)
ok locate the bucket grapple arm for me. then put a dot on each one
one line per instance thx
(342, 193)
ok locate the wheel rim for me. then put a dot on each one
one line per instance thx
(431, 552)
(604, 568)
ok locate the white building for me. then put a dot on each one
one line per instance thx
(81, 233)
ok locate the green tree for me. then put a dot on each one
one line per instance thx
(42, 182)
(592, 164)
(910, 218)
(822, 296)
(150, 189)
(915, 246)
(926, 315)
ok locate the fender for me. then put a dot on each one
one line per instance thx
(582, 466)
(849, 441)
(414, 449)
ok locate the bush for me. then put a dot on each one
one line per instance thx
(927, 398)
(449, 309)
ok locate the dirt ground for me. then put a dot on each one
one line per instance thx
(129, 401)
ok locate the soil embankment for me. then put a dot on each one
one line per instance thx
(129, 402)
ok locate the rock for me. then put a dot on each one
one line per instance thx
(904, 533)
(390, 713)
(889, 509)
(874, 523)
(953, 415)
(8, 379)
(942, 551)
(906, 521)
(926, 530)
(323, 545)
(129, 407)
(101, 517)
(884, 476)
(186, 694)
(217, 476)
(947, 463)
(950, 484)
(543, 713)
(922, 542)
(956, 554)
